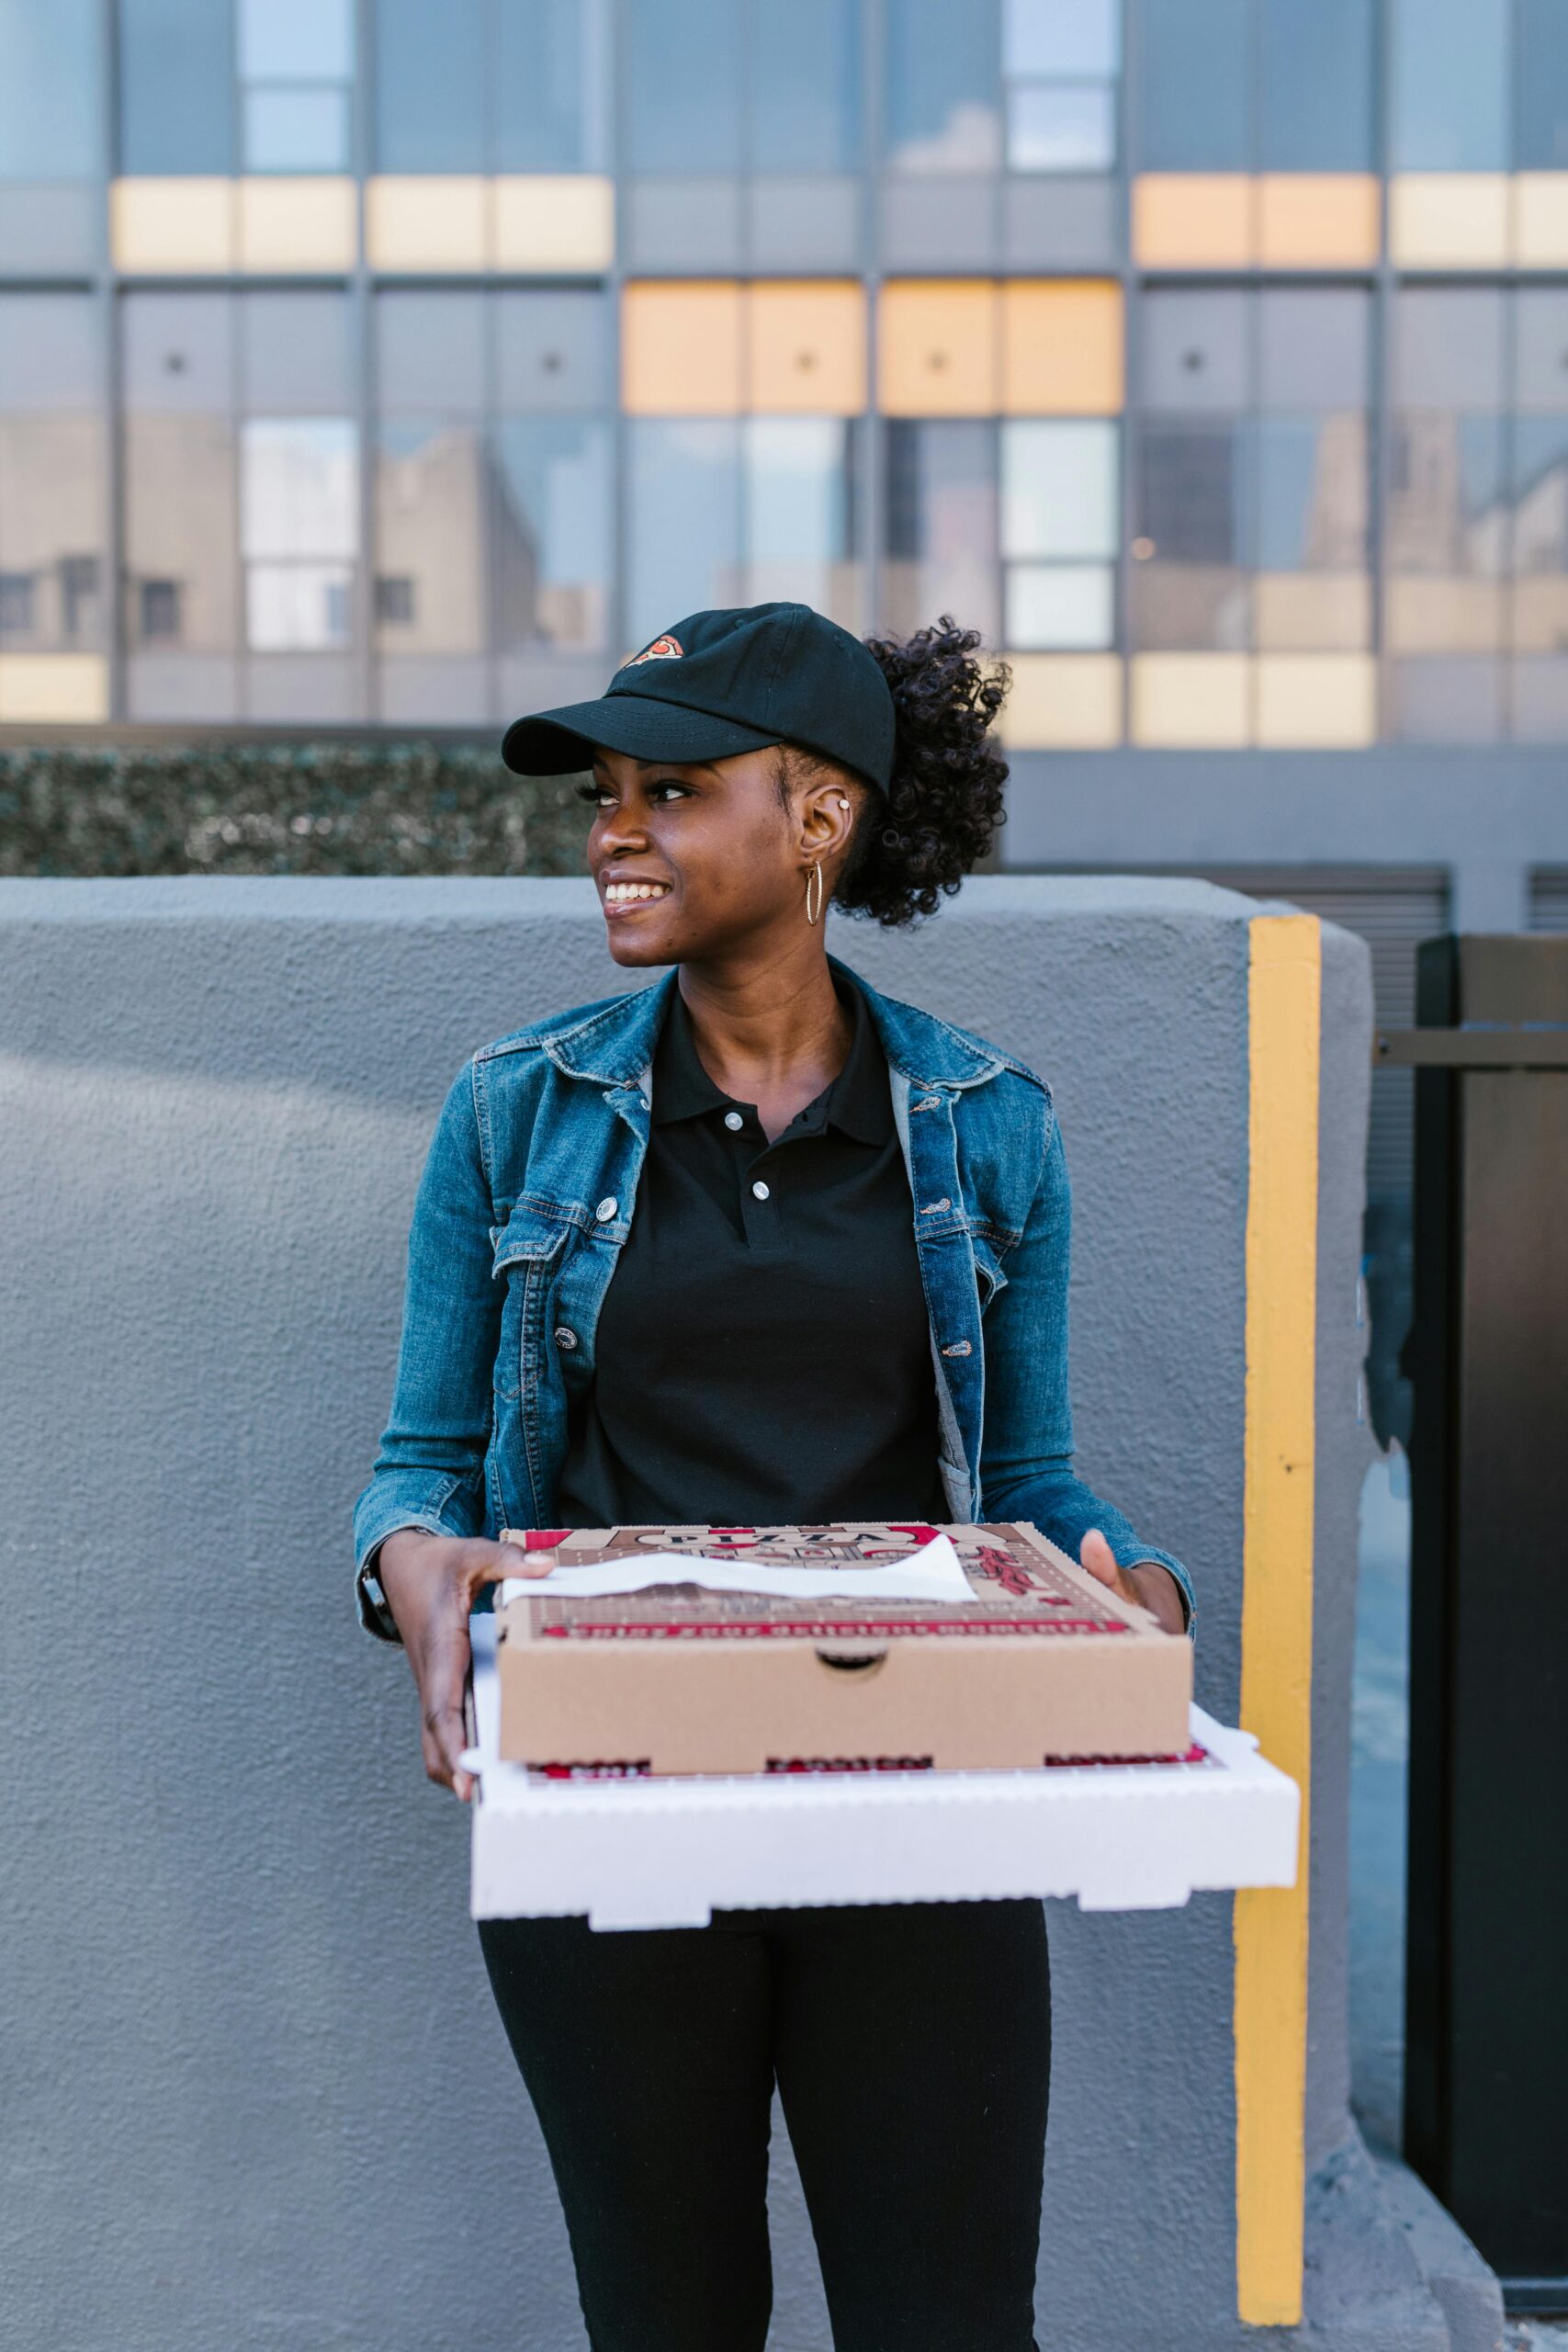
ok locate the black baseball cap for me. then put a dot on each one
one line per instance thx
(718, 683)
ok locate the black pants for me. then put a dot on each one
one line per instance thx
(911, 2047)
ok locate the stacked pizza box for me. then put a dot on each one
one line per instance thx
(1029, 1661)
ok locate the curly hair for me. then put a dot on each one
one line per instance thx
(916, 842)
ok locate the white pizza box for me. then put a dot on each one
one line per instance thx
(652, 1852)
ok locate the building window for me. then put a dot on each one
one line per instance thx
(734, 86)
(177, 83)
(394, 600)
(941, 88)
(296, 67)
(299, 531)
(1060, 533)
(1060, 63)
(16, 603)
(939, 502)
(490, 86)
(79, 599)
(158, 612)
(738, 510)
(53, 496)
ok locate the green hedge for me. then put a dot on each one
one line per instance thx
(216, 807)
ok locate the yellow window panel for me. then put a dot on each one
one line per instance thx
(1432, 612)
(173, 224)
(1448, 220)
(1063, 701)
(297, 223)
(38, 687)
(1541, 220)
(1312, 612)
(1318, 219)
(1062, 347)
(1192, 219)
(1316, 698)
(681, 352)
(546, 221)
(1191, 700)
(937, 347)
(806, 346)
(428, 221)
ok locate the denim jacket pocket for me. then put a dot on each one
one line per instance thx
(524, 1253)
(988, 1276)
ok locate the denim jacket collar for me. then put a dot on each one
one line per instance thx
(614, 1047)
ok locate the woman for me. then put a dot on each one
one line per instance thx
(838, 1233)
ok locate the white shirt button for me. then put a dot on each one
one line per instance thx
(759, 1189)
(606, 1208)
(732, 1119)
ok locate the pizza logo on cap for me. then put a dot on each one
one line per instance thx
(663, 649)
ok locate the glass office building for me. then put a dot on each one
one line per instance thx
(397, 361)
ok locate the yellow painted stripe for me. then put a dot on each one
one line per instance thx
(1271, 1922)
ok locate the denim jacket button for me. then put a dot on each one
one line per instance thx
(606, 1208)
(564, 1337)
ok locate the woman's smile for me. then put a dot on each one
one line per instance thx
(625, 893)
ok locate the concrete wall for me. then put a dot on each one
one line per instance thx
(258, 2097)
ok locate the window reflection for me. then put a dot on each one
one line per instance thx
(296, 130)
(799, 512)
(1450, 99)
(683, 84)
(1446, 527)
(726, 512)
(552, 534)
(1192, 526)
(431, 494)
(51, 476)
(430, 86)
(299, 531)
(49, 89)
(1060, 59)
(1059, 505)
(940, 526)
(805, 82)
(176, 65)
(549, 79)
(1316, 81)
(1194, 84)
(941, 107)
(1541, 86)
(683, 521)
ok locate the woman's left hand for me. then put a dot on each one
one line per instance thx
(1145, 1584)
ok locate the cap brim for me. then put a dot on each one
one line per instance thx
(555, 743)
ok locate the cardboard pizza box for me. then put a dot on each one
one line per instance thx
(1042, 1662)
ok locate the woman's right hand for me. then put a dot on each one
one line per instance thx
(431, 1583)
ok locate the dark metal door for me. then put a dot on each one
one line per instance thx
(1486, 2062)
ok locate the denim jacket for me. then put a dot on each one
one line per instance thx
(527, 1197)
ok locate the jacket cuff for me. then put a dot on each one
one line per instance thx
(376, 1516)
(1132, 1555)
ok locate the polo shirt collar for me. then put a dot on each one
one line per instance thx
(859, 1102)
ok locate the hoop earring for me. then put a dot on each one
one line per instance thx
(813, 874)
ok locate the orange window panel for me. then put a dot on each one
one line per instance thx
(806, 346)
(1318, 219)
(681, 348)
(937, 347)
(1062, 347)
(1192, 219)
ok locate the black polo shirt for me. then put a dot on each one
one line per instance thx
(762, 1352)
